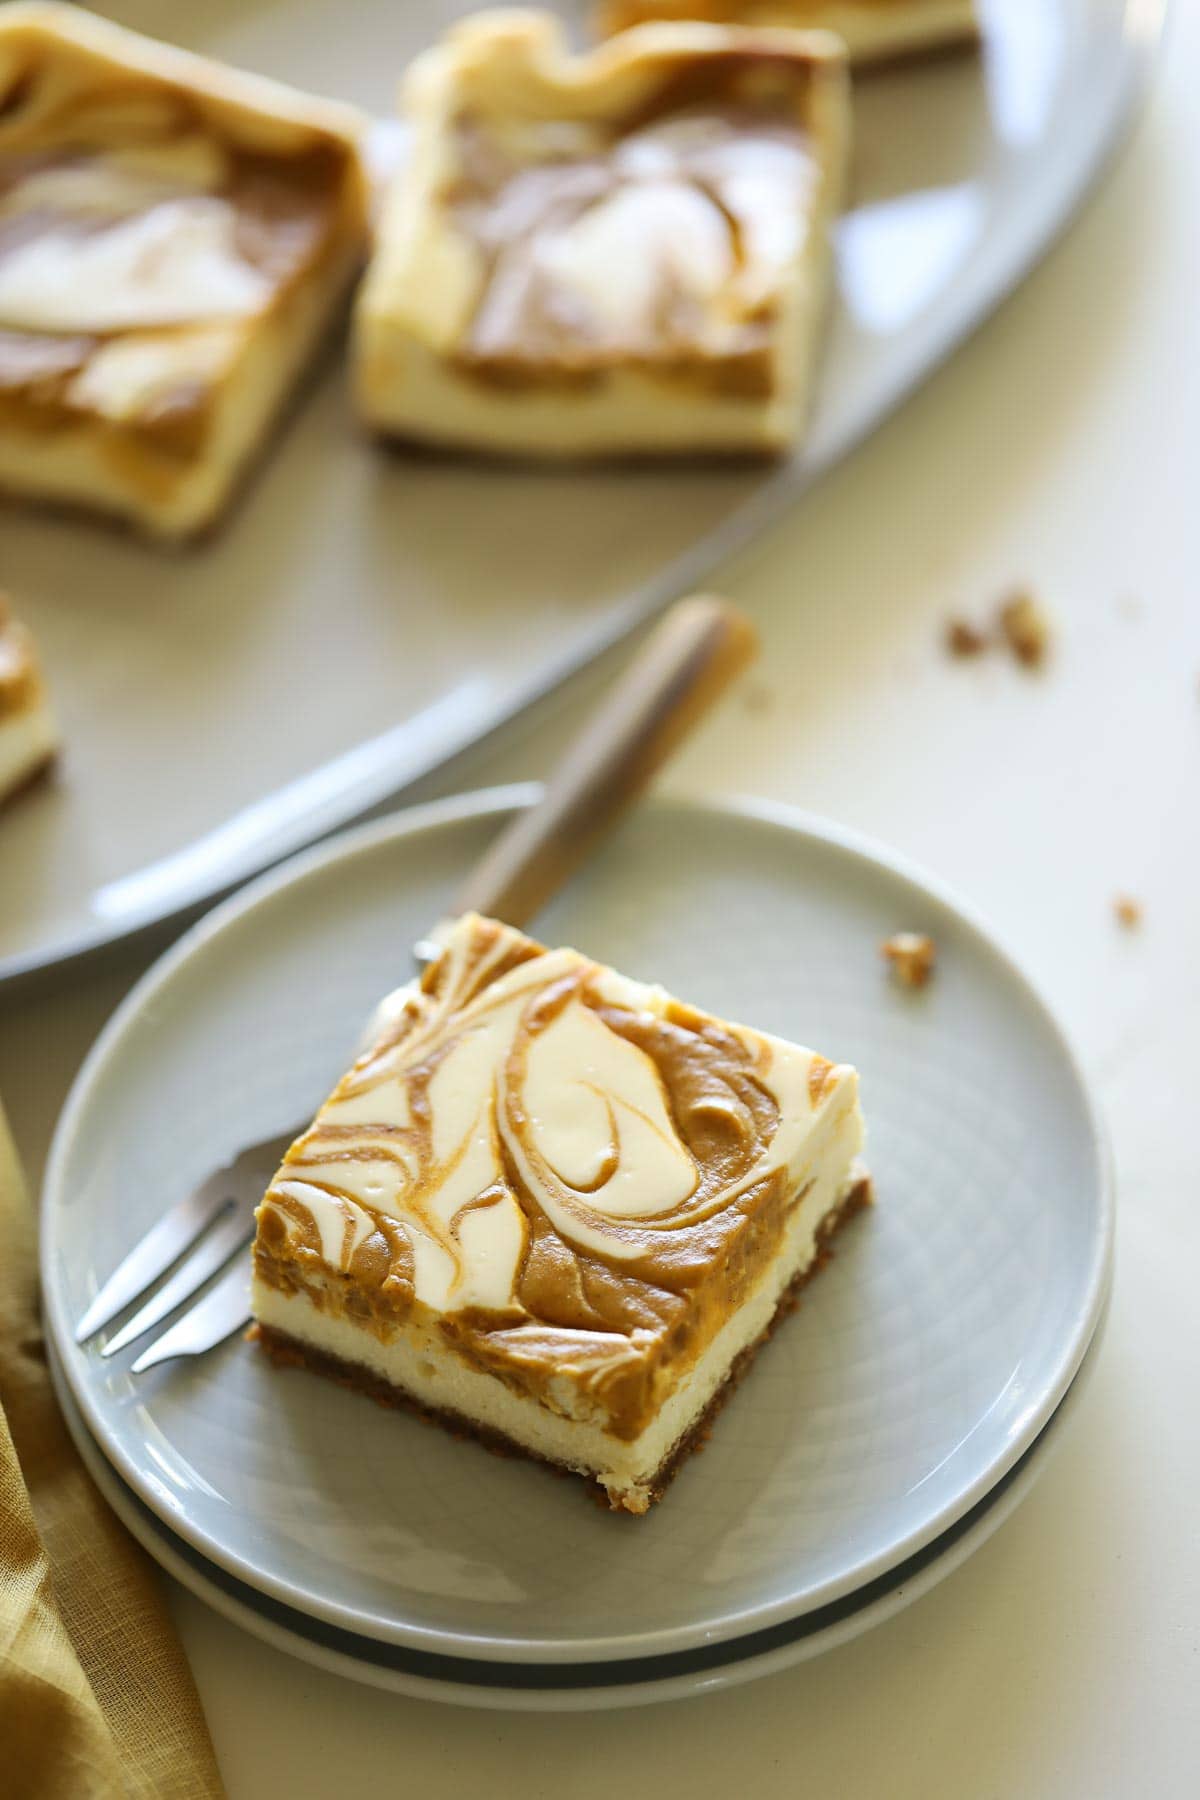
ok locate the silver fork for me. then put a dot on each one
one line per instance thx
(206, 1228)
(679, 672)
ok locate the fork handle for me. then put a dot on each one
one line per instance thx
(681, 670)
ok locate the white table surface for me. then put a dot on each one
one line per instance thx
(1062, 449)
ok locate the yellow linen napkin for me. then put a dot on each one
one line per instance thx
(96, 1699)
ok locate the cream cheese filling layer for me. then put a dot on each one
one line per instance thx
(250, 376)
(420, 1364)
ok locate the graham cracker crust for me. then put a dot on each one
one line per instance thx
(289, 1352)
(967, 37)
(409, 446)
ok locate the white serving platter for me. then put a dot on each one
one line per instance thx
(363, 615)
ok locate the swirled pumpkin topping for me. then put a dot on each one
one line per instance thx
(562, 1167)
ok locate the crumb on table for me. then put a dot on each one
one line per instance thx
(757, 697)
(1025, 628)
(1128, 911)
(912, 956)
(964, 639)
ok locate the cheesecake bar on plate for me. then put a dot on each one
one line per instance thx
(174, 239)
(619, 252)
(556, 1208)
(28, 734)
(874, 31)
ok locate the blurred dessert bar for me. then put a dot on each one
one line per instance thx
(28, 734)
(556, 1208)
(174, 239)
(624, 251)
(874, 31)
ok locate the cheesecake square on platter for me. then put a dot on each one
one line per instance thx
(557, 1208)
(873, 31)
(28, 734)
(618, 252)
(174, 240)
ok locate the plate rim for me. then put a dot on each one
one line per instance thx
(904, 1588)
(443, 814)
(1140, 28)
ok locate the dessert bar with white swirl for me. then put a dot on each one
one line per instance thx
(619, 252)
(556, 1206)
(28, 733)
(174, 239)
(873, 31)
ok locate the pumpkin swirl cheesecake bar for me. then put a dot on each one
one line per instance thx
(620, 252)
(175, 237)
(556, 1208)
(873, 31)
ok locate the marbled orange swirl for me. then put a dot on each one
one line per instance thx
(552, 1162)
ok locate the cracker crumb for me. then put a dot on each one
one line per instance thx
(757, 697)
(1128, 911)
(912, 956)
(964, 639)
(1025, 628)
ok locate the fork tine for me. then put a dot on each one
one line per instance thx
(214, 1249)
(222, 1311)
(160, 1247)
(178, 1229)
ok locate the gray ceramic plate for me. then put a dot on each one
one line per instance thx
(578, 1687)
(921, 1366)
(363, 616)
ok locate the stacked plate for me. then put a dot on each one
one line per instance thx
(883, 1434)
